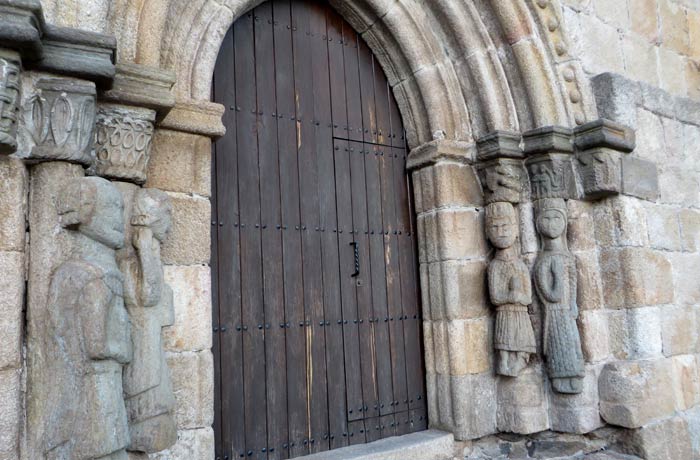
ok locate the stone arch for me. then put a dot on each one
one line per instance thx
(458, 69)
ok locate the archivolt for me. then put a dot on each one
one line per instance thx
(459, 68)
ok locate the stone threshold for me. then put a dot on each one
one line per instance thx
(425, 445)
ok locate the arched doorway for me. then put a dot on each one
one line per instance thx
(315, 273)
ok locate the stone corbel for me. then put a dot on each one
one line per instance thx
(432, 152)
(600, 149)
(549, 152)
(500, 167)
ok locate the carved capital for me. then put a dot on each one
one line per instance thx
(21, 25)
(550, 139)
(59, 120)
(9, 100)
(600, 146)
(502, 179)
(123, 138)
(142, 86)
(549, 165)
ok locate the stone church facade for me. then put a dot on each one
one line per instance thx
(555, 151)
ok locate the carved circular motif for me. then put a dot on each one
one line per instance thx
(542, 3)
(575, 96)
(553, 24)
(579, 118)
(569, 75)
(560, 48)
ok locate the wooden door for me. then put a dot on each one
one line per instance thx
(317, 336)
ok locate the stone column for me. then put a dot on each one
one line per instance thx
(456, 320)
(522, 402)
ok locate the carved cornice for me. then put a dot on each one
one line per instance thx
(442, 149)
(21, 26)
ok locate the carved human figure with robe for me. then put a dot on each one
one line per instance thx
(147, 386)
(87, 340)
(555, 284)
(510, 291)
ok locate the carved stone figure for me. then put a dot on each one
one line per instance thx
(510, 291)
(600, 172)
(123, 142)
(502, 180)
(150, 401)
(59, 118)
(555, 284)
(88, 339)
(9, 100)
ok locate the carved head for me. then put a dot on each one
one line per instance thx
(94, 207)
(551, 217)
(501, 224)
(152, 209)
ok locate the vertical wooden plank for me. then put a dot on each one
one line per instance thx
(356, 432)
(363, 280)
(393, 280)
(337, 73)
(228, 259)
(310, 230)
(403, 423)
(253, 313)
(419, 420)
(381, 99)
(381, 320)
(398, 133)
(270, 217)
(297, 397)
(369, 112)
(387, 424)
(373, 429)
(350, 44)
(335, 370)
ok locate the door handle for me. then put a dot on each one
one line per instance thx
(356, 248)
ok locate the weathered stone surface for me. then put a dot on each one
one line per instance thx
(635, 277)
(692, 418)
(626, 388)
(550, 139)
(446, 184)
(10, 412)
(685, 275)
(635, 333)
(59, 120)
(78, 53)
(13, 204)
(663, 227)
(577, 413)
(665, 440)
(473, 405)
(189, 241)
(441, 149)
(191, 330)
(499, 144)
(191, 445)
(551, 176)
(690, 229)
(510, 291)
(468, 346)
(180, 162)
(196, 117)
(149, 398)
(601, 172)
(589, 290)
(555, 281)
(451, 234)
(84, 340)
(193, 385)
(594, 336)
(686, 383)
(522, 402)
(616, 98)
(11, 303)
(123, 142)
(502, 179)
(454, 290)
(679, 329)
(604, 133)
(581, 234)
(9, 94)
(142, 86)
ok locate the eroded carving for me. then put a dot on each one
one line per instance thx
(510, 291)
(59, 118)
(123, 142)
(87, 339)
(9, 100)
(502, 180)
(555, 285)
(550, 177)
(150, 401)
(601, 173)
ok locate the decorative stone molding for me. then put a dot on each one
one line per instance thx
(600, 146)
(196, 117)
(21, 26)
(443, 149)
(10, 65)
(142, 86)
(78, 53)
(150, 402)
(123, 138)
(58, 120)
